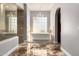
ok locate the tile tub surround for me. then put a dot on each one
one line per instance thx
(36, 50)
(6, 36)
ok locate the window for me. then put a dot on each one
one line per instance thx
(40, 24)
(13, 24)
(12, 21)
(39, 21)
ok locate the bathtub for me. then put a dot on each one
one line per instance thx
(8, 45)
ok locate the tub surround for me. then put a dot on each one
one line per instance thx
(6, 36)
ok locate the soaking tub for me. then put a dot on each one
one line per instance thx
(8, 43)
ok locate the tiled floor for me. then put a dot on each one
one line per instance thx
(37, 49)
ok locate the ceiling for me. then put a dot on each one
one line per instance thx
(10, 6)
(40, 6)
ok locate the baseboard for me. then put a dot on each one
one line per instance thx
(67, 53)
(10, 51)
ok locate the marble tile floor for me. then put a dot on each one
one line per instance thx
(37, 49)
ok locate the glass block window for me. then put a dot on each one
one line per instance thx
(39, 21)
(40, 24)
(13, 24)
